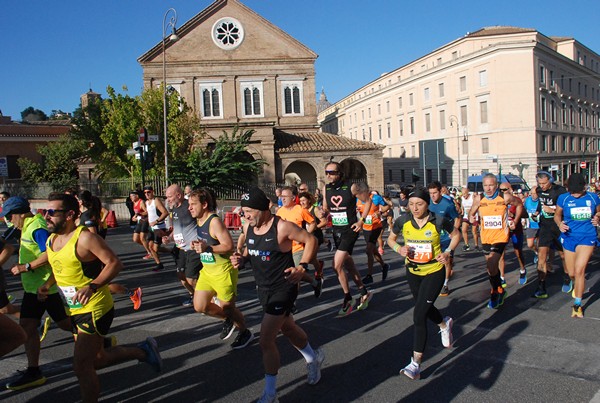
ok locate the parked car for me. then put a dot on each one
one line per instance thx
(516, 182)
(393, 190)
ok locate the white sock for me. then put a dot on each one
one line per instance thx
(270, 384)
(446, 282)
(308, 353)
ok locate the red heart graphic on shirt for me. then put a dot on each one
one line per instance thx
(337, 200)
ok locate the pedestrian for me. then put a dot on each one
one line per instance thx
(416, 236)
(157, 227)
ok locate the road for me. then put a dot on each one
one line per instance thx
(528, 350)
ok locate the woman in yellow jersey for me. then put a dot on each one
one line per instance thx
(493, 216)
(416, 236)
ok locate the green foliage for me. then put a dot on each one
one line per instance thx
(223, 164)
(30, 114)
(59, 166)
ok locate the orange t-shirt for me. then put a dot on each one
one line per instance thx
(373, 220)
(493, 217)
(298, 216)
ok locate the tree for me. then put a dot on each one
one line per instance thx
(30, 114)
(59, 166)
(223, 164)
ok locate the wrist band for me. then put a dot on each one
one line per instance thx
(397, 247)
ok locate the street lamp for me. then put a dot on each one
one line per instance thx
(454, 120)
(466, 145)
(172, 38)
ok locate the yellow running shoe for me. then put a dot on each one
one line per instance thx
(44, 326)
(577, 311)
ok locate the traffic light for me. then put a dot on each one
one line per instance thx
(415, 177)
(149, 160)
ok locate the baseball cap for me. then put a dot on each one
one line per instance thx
(15, 205)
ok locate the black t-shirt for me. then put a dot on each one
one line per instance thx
(548, 198)
(341, 203)
(88, 220)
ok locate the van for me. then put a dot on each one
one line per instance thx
(475, 184)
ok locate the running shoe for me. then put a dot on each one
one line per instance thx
(314, 368)
(158, 267)
(267, 398)
(573, 292)
(147, 257)
(522, 277)
(497, 298)
(136, 298)
(540, 293)
(445, 291)
(384, 271)
(412, 370)
(364, 301)
(567, 285)
(319, 287)
(150, 346)
(503, 282)
(228, 328)
(242, 340)
(331, 246)
(535, 259)
(11, 298)
(577, 311)
(466, 248)
(477, 248)
(347, 307)
(380, 250)
(368, 279)
(27, 379)
(43, 328)
(502, 294)
(189, 301)
(446, 333)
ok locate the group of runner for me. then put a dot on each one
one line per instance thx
(74, 267)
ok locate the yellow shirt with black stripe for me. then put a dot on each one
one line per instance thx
(424, 242)
(71, 275)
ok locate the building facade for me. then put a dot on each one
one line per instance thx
(499, 99)
(237, 69)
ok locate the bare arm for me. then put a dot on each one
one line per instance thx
(219, 231)
(288, 231)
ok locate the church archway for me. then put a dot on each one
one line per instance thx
(300, 171)
(354, 170)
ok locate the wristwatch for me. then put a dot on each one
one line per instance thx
(93, 287)
(303, 265)
(27, 266)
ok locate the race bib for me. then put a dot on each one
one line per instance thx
(339, 218)
(581, 213)
(492, 222)
(420, 252)
(68, 295)
(179, 241)
(207, 257)
(369, 219)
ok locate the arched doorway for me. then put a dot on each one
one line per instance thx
(300, 171)
(354, 170)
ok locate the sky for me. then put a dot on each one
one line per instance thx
(52, 52)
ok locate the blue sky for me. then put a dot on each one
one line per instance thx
(52, 51)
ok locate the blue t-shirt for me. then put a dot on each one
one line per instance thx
(578, 213)
(531, 206)
(446, 209)
(378, 200)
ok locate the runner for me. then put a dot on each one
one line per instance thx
(532, 226)
(444, 205)
(339, 199)
(576, 214)
(466, 202)
(187, 261)
(11, 335)
(140, 232)
(372, 230)
(6, 251)
(269, 251)
(516, 237)
(493, 217)
(292, 212)
(82, 267)
(549, 234)
(34, 270)
(157, 214)
(219, 278)
(416, 236)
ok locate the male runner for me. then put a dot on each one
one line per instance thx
(269, 249)
(34, 270)
(549, 233)
(493, 216)
(157, 214)
(466, 202)
(532, 226)
(445, 207)
(82, 266)
(187, 261)
(219, 278)
(339, 199)
(140, 217)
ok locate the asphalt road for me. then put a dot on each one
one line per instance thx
(528, 350)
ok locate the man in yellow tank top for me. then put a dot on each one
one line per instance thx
(493, 216)
(82, 266)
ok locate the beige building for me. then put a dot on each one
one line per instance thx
(237, 69)
(500, 98)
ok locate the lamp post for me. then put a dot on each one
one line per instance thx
(454, 121)
(173, 37)
(466, 144)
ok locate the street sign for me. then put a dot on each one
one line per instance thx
(491, 157)
(553, 168)
(135, 145)
(583, 164)
(153, 137)
(143, 135)
(3, 166)
(131, 151)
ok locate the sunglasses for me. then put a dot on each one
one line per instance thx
(504, 189)
(51, 212)
(332, 172)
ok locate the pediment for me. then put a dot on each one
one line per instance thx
(262, 41)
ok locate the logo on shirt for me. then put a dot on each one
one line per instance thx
(428, 234)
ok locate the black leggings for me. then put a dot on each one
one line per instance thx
(424, 289)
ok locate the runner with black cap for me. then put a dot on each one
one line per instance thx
(269, 250)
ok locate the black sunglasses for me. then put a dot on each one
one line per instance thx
(51, 211)
(503, 189)
(332, 172)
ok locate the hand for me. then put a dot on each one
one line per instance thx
(294, 274)
(237, 260)
(443, 257)
(83, 295)
(403, 251)
(595, 220)
(357, 226)
(18, 269)
(165, 239)
(563, 227)
(42, 293)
